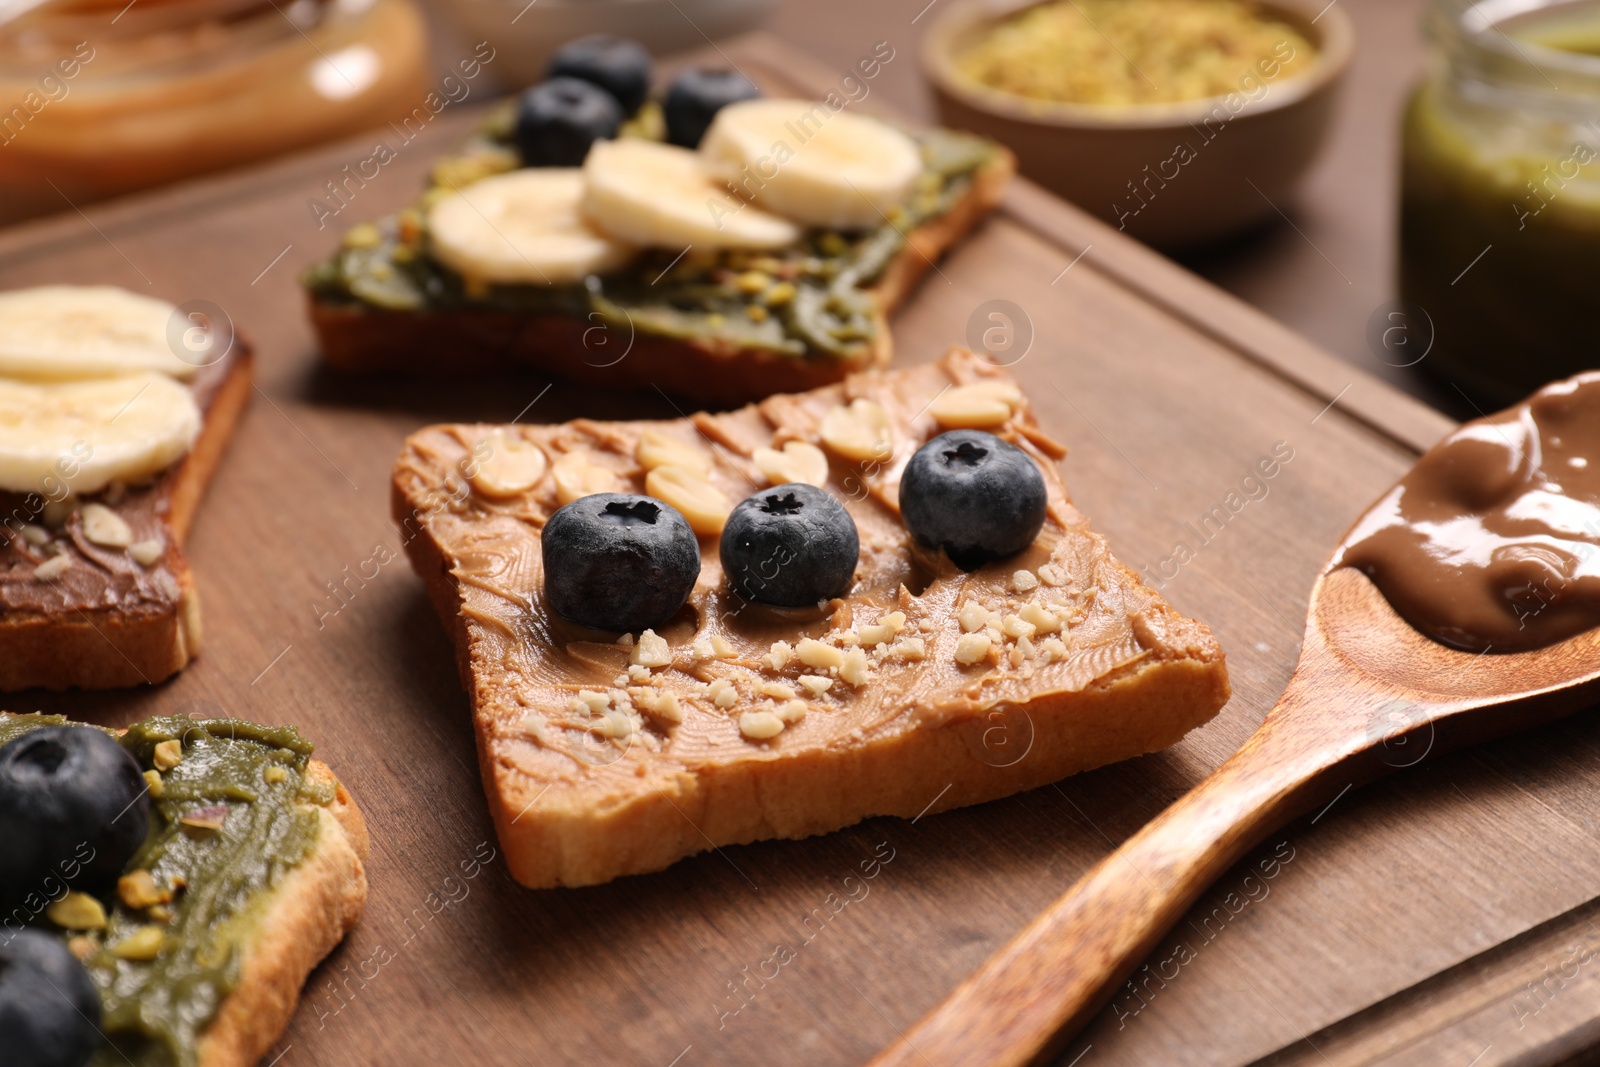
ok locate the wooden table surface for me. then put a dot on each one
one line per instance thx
(1441, 916)
(1325, 274)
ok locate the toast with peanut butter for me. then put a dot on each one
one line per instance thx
(923, 687)
(247, 867)
(107, 442)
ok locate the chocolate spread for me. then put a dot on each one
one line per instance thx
(99, 578)
(1492, 542)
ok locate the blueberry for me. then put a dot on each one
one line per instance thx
(49, 1010)
(618, 561)
(973, 495)
(74, 808)
(792, 545)
(695, 97)
(619, 66)
(559, 119)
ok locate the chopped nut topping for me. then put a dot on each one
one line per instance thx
(884, 629)
(1024, 648)
(1042, 621)
(854, 668)
(860, 432)
(595, 702)
(760, 725)
(775, 690)
(147, 553)
(815, 684)
(814, 653)
(1054, 649)
(723, 693)
(701, 502)
(721, 647)
(275, 774)
(1051, 575)
(35, 535)
(77, 911)
(701, 649)
(620, 680)
(656, 449)
(978, 406)
(167, 755)
(52, 568)
(659, 705)
(82, 948)
(791, 711)
(651, 651)
(1013, 626)
(800, 461)
(144, 943)
(973, 616)
(152, 781)
(780, 655)
(105, 527)
(1023, 581)
(615, 723)
(638, 674)
(576, 477)
(210, 817)
(912, 648)
(972, 648)
(160, 913)
(138, 890)
(513, 466)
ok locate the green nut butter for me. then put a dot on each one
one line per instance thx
(252, 780)
(807, 301)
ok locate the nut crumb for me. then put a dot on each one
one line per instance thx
(815, 684)
(854, 668)
(1024, 580)
(778, 657)
(814, 653)
(651, 651)
(663, 706)
(1042, 621)
(721, 648)
(911, 648)
(1015, 627)
(701, 649)
(52, 568)
(973, 617)
(638, 674)
(147, 553)
(972, 648)
(760, 725)
(1054, 649)
(775, 690)
(77, 911)
(791, 711)
(167, 755)
(1051, 575)
(104, 527)
(596, 702)
(723, 693)
(35, 535)
(138, 890)
(82, 948)
(152, 782)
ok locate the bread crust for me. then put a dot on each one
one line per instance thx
(927, 757)
(309, 914)
(358, 338)
(107, 648)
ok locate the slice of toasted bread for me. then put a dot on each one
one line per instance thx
(109, 620)
(359, 337)
(308, 914)
(294, 924)
(596, 765)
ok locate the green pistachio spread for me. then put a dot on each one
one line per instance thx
(807, 300)
(155, 1009)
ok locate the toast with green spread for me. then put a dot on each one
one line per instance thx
(764, 259)
(242, 866)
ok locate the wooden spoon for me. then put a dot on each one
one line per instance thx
(1369, 694)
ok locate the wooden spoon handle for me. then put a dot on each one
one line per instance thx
(1028, 999)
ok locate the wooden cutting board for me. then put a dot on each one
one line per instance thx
(1409, 918)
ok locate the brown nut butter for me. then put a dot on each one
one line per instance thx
(1492, 541)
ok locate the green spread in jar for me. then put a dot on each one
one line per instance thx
(162, 970)
(808, 300)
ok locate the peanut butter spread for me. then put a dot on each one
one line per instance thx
(114, 551)
(1492, 541)
(916, 644)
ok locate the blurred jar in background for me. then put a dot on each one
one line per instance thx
(99, 97)
(1500, 193)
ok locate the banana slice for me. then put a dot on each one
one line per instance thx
(522, 228)
(58, 332)
(86, 435)
(661, 195)
(808, 163)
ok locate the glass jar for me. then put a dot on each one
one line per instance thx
(99, 97)
(1500, 193)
